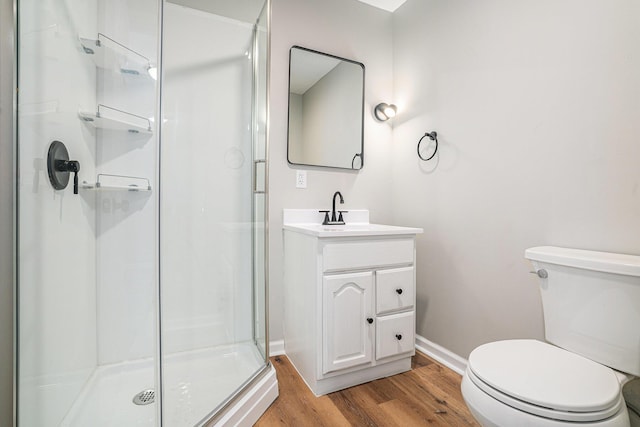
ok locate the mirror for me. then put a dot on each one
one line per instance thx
(326, 110)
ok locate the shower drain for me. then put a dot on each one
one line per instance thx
(145, 397)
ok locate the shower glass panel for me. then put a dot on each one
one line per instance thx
(212, 213)
(141, 299)
(87, 262)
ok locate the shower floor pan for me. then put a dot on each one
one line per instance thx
(194, 383)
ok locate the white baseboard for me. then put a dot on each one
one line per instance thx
(441, 354)
(276, 348)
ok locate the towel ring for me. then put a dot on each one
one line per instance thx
(433, 136)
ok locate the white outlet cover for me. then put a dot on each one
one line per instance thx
(301, 179)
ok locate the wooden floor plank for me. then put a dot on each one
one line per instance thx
(404, 414)
(429, 394)
(420, 360)
(296, 404)
(432, 400)
(359, 408)
(445, 386)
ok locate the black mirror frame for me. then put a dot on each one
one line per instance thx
(361, 153)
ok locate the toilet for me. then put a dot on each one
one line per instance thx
(591, 304)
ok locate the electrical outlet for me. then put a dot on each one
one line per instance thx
(301, 179)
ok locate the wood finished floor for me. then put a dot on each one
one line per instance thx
(429, 394)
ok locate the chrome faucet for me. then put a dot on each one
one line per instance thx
(335, 219)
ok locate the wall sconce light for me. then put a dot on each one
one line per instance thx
(384, 112)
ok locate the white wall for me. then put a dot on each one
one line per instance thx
(348, 29)
(536, 104)
(6, 211)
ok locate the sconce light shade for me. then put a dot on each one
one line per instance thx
(384, 112)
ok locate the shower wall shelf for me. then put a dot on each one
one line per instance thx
(113, 119)
(108, 54)
(106, 182)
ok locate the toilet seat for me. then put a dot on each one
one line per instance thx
(545, 381)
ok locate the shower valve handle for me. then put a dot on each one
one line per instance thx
(59, 167)
(70, 166)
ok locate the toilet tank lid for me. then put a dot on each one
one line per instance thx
(607, 262)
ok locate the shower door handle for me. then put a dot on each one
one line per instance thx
(256, 168)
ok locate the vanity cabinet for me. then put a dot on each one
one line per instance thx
(349, 305)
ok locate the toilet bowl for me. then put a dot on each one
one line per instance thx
(591, 303)
(532, 383)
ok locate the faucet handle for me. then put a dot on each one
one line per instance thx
(340, 215)
(326, 217)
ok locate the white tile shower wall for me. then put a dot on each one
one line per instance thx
(126, 221)
(536, 107)
(206, 169)
(349, 29)
(56, 228)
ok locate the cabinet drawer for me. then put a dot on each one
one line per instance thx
(395, 334)
(366, 254)
(395, 289)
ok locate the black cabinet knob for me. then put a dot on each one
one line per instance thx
(399, 291)
(370, 320)
(399, 337)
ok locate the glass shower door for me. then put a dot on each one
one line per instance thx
(260, 220)
(211, 211)
(86, 294)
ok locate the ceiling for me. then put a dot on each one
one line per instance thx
(389, 5)
(248, 10)
(244, 11)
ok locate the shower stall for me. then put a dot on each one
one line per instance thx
(141, 213)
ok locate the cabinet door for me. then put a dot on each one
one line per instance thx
(347, 321)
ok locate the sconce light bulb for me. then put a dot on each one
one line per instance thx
(384, 112)
(390, 111)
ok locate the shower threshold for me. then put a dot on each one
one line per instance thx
(194, 383)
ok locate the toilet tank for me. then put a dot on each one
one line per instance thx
(591, 303)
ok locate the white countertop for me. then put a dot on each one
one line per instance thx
(300, 220)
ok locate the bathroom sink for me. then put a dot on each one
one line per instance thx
(359, 227)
